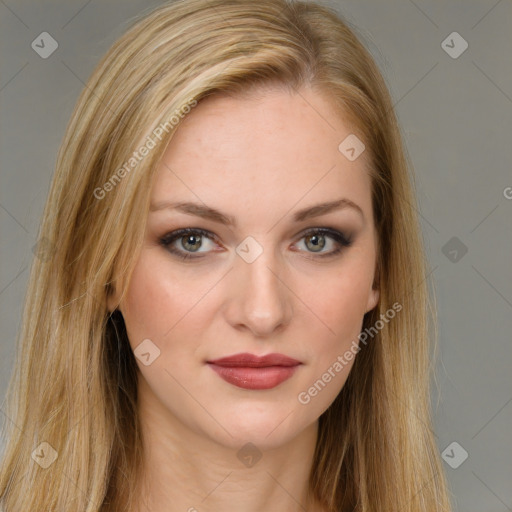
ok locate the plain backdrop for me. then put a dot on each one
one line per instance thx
(456, 116)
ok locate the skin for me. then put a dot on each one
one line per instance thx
(259, 159)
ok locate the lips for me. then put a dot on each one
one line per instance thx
(248, 371)
(252, 361)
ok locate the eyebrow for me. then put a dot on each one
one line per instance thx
(214, 215)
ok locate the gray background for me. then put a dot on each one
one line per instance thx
(456, 116)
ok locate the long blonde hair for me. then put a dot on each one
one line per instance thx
(74, 384)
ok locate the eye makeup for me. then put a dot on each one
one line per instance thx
(319, 236)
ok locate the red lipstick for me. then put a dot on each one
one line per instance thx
(248, 371)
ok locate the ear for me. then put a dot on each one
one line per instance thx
(373, 296)
(373, 299)
(112, 297)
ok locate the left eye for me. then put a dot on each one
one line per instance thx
(315, 240)
(191, 241)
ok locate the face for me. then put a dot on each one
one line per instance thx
(272, 251)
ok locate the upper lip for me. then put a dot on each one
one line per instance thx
(252, 361)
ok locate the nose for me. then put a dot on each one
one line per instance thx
(259, 299)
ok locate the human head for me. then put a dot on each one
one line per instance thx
(183, 53)
(255, 282)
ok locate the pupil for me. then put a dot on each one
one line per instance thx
(315, 241)
(193, 240)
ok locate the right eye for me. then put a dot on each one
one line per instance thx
(186, 242)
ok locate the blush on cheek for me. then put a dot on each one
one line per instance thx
(142, 304)
(156, 299)
(344, 307)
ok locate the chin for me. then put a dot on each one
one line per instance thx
(265, 432)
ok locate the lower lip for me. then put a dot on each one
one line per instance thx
(254, 378)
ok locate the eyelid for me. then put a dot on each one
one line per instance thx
(340, 238)
(171, 235)
(338, 235)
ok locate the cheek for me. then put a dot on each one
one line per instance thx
(334, 345)
(166, 302)
(155, 300)
(341, 303)
(344, 298)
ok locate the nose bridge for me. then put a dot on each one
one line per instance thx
(262, 301)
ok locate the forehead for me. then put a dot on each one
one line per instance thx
(272, 148)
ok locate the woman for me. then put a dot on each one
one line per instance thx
(225, 321)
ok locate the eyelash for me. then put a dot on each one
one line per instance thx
(167, 240)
